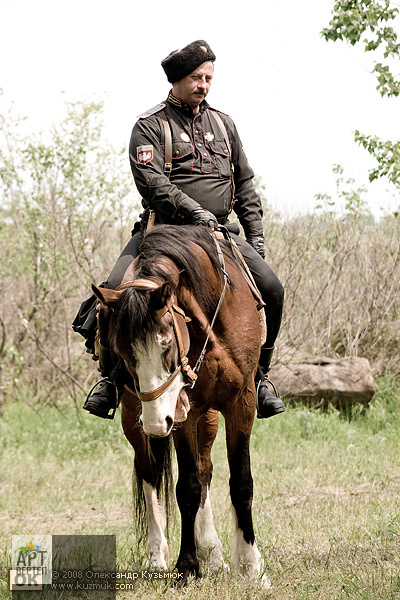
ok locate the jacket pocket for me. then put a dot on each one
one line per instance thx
(218, 150)
(182, 155)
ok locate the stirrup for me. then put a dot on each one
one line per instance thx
(266, 380)
(117, 401)
(271, 404)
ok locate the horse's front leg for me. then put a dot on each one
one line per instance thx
(239, 422)
(208, 545)
(157, 546)
(188, 495)
(148, 471)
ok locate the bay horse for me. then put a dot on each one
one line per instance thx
(178, 304)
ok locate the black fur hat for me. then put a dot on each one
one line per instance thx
(182, 62)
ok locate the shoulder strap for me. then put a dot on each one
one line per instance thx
(167, 162)
(168, 144)
(152, 111)
(222, 127)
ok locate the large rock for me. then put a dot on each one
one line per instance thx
(339, 381)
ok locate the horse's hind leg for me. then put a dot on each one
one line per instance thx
(147, 480)
(238, 423)
(208, 545)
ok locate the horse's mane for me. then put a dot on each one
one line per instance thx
(175, 242)
(133, 312)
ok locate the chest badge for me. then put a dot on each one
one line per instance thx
(185, 137)
(209, 136)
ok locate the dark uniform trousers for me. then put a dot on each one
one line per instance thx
(266, 281)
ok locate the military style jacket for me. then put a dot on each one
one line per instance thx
(201, 166)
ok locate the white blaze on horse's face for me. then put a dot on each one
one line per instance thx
(154, 364)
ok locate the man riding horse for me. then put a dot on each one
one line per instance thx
(189, 166)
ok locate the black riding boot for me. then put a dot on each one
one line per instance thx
(268, 404)
(104, 396)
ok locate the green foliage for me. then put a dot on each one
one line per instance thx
(351, 20)
(350, 199)
(387, 155)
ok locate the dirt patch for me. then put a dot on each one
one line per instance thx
(69, 521)
(366, 490)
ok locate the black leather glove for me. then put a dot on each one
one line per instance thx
(257, 242)
(200, 216)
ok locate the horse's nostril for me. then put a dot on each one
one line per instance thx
(170, 422)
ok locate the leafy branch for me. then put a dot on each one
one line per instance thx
(352, 19)
(372, 23)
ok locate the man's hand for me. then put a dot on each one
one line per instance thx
(257, 242)
(200, 216)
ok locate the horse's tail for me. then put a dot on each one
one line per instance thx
(160, 475)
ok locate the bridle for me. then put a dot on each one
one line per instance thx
(179, 320)
(182, 338)
(179, 325)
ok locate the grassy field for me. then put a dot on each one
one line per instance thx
(326, 506)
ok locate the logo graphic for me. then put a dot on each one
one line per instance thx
(31, 562)
(32, 551)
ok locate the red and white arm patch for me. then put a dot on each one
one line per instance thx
(144, 154)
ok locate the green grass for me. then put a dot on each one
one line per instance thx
(326, 505)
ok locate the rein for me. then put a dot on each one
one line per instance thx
(179, 320)
(226, 281)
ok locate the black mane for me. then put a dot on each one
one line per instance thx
(134, 316)
(173, 241)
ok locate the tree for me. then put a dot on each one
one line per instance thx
(371, 22)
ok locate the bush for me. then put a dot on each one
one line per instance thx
(66, 212)
(341, 273)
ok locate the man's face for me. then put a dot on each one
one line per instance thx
(194, 87)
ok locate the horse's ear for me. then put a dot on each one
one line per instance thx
(160, 295)
(106, 297)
